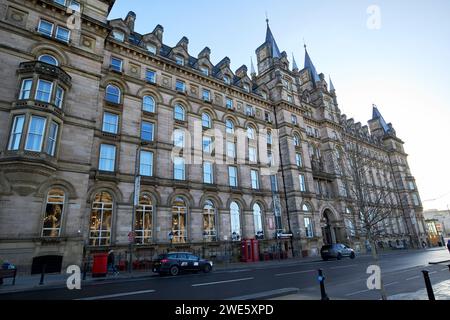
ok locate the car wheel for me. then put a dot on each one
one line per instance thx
(339, 256)
(352, 255)
(174, 270)
(207, 268)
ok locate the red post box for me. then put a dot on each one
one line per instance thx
(246, 251)
(100, 265)
(255, 250)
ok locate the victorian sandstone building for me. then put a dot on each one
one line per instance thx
(88, 104)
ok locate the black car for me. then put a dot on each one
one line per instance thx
(175, 262)
(337, 250)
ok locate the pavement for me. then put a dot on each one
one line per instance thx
(292, 279)
(441, 292)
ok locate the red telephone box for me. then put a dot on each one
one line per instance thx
(246, 251)
(255, 250)
(100, 266)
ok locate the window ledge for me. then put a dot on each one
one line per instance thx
(149, 114)
(114, 104)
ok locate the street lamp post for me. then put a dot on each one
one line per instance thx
(137, 187)
(171, 239)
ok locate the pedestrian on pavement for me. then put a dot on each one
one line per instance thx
(111, 262)
(448, 245)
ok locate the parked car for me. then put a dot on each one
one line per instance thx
(174, 263)
(337, 250)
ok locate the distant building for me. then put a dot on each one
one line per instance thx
(87, 104)
(438, 224)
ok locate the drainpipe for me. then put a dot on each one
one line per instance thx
(284, 185)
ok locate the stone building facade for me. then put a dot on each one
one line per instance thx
(88, 105)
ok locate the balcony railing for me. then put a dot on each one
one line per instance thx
(46, 69)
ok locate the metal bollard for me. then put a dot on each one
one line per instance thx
(321, 278)
(41, 282)
(430, 292)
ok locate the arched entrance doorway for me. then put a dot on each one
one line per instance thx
(328, 228)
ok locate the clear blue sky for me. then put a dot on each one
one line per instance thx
(403, 67)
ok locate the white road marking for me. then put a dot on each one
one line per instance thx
(296, 272)
(355, 293)
(341, 267)
(118, 295)
(220, 282)
(416, 277)
(445, 269)
(390, 284)
(235, 271)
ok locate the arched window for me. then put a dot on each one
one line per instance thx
(209, 221)
(297, 141)
(235, 214)
(49, 59)
(306, 208)
(144, 220)
(179, 219)
(148, 104)
(250, 132)
(53, 213)
(230, 126)
(179, 112)
(101, 219)
(113, 94)
(257, 218)
(206, 120)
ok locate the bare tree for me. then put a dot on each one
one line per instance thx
(370, 195)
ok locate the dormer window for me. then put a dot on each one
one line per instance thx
(290, 99)
(226, 79)
(204, 70)
(151, 48)
(71, 4)
(264, 95)
(49, 59)
(179, 60)
(246, 87)
(119, 35)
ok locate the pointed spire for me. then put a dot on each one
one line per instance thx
(270, 40)
(376, 115)
(294, 63)
(310, 66)
(331, 86)
(252, 67)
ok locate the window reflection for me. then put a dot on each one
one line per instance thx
(100, 223)
(53, 213)
(179, 212)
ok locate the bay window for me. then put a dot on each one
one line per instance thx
(59, 96)
(51, 139)
(25, 90)
(44, 90)
(16, 132)
(35, 134)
